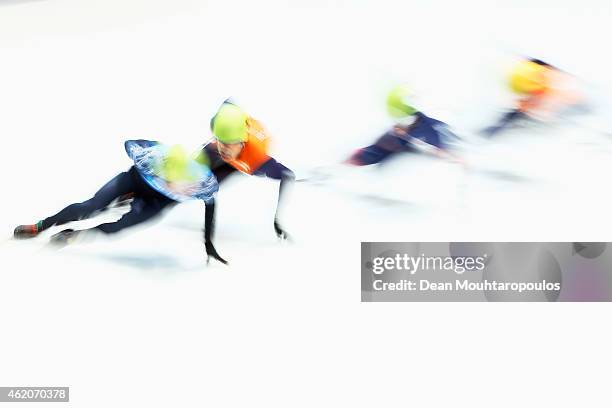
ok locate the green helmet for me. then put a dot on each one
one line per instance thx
(229, 124)
(397, 105)
(175, 165)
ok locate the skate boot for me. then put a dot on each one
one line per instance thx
(27, 231)
(63, 238)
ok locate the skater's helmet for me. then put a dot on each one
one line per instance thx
(528, 77)
(176, 165)
(398, 104)
(229, 125)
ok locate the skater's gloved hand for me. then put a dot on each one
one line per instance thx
(212, 253)
(280, 232)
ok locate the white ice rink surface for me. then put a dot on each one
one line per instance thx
(141, 321)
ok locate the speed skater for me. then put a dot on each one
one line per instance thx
(160, 177)
(413, 131)
(543, 92)
(240, 145)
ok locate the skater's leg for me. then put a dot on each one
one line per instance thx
(121, 184)
(368, 155)
(385, 147)
(146, 204)
(142, 209)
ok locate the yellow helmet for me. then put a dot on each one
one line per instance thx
(528, 77)
(397, 102)
(229, 125)
(175, 165)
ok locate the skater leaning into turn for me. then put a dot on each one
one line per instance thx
(241, 145)
(543, 93)
(160, 177)
(413, 132)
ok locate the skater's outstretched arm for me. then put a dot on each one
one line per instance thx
(277, 171)
(209, 225)
(287, 178)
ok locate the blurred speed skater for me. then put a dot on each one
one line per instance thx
(241, 145)
(161, 176)
(543, 93)
(413, 132)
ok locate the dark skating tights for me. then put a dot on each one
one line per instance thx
(385, 147)
(147, 203)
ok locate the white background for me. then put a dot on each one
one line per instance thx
(141, 321)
